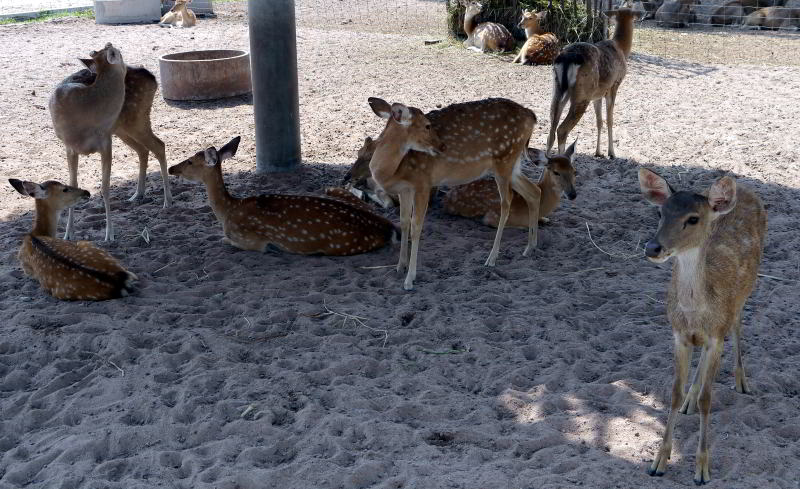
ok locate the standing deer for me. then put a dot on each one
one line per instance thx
(585, 73)
(452, 146)
(179, 15)
(479, 198)
(717, 239)
(295, 223)
(67, 270)
(84, 117)
(541, 48)
(486, 36)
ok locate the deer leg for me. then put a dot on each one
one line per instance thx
(156, 146)
(683, 353)
(532, 195)
(505, 206)
(690, 401)
(72, 163)
(143, 154)
(610, 99)
(406, 207)
(105, 159)
(420, 208)
(556, 109)
(703, 457)
(576, 110)
(741, 378)
(598, 116)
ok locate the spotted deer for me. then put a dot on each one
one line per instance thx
(586, 73)
(180, 15)
(358, 178)
(486, 36)
(541, 48)
(479, 198)
(67, 270)
(452, 146)
(299, 224)
(717, 239)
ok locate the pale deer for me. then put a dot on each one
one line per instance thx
(773, 18)
(84, 117)
(65, 269)
(294, 223)
(479, 198)
(180, 15)
(541, 48)
(717, 239)
(452, 146)
(486, 36)
(584, 73)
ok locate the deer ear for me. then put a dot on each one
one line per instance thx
(571, 151)
(401, 114)
(381, 107)
(212, 156)
(537, 156)
(654, 188)
(113, 55)
(367, 141)
(722, 196)
(229, 150)
(88, 62)
(29, 189)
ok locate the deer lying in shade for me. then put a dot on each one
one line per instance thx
(65, 269)
(301, 224)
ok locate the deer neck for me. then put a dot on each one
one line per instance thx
(688, 275)
(532, 31)
(470, 24)
(46, 221)
(623, 35)
(388, 154)
(218, 195)
(551, 194)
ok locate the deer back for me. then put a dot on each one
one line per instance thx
(490, 36)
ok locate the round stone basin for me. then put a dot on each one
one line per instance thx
(205, 75)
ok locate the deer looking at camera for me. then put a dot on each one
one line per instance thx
(586, 73)
(300, 224)
(479, 198)
(452, 146)
(180, 15)
(541, 48)
(67, 270)
(486, 36)
(717, 239)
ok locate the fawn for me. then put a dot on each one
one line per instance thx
(452, 146)
(541, 48)
(717, 239)
(486, 36)
(295, 223)
(479, 198)
(179, 15)
(67, 270)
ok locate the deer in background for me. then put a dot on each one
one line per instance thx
(180, 15)
(67, 270)
(717, 239)
(541, 48)
(84, 117)
(479, 198)
(452, 146)
(584, 73)
(486, 36)
(295, 223)
(773, 18)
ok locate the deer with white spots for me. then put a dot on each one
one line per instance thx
(65, 269)
(717, 239)
(486, 36)
(180, 15)
(452, 146)
(302, 224)
(541, 48)
(480, 199)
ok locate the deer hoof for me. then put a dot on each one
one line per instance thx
(137, 197)
(408, 285)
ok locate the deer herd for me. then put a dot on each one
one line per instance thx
(715, 238)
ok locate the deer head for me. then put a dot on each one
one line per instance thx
(360, 169)
(531, 20)
(409, 125)
(561, 167)
(56, 194)
(205, 163)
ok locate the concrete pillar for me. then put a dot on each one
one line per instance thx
(273, 59)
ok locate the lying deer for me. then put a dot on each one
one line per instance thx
(717, 239)
(67, 270)
(179, 15)
(84, 117)
(773, 18)
(486, 36)
(295, 223)
(479, 198)
(541, 48)
(584, 73)
(452, 146)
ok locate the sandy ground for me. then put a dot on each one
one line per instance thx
(223, 371)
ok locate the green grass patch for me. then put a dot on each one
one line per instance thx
(45, 16)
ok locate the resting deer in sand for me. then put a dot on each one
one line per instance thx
(773, 18)
(479, 198)
(67, 270)
(359, 179)
(486, 36)
(84, 117)
(584, 73)
(541, 48)
(295, 223)
(180, 15)
(717, 239)
(452, 146)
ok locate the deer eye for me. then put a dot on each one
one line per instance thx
(556, 173)
(66, 189)
(427, 127)
(693, 220)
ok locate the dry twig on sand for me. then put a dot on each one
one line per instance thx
(357, 320)
(625, 256)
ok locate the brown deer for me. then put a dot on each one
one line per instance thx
(84, 117)
(584, 73)
(717, 239)
(452, 146)
(359, 179)
(773, 18)
(541, 48)
(67, 270)
(179, 15)
(294, 223)
(479, 198)
(486, 36)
